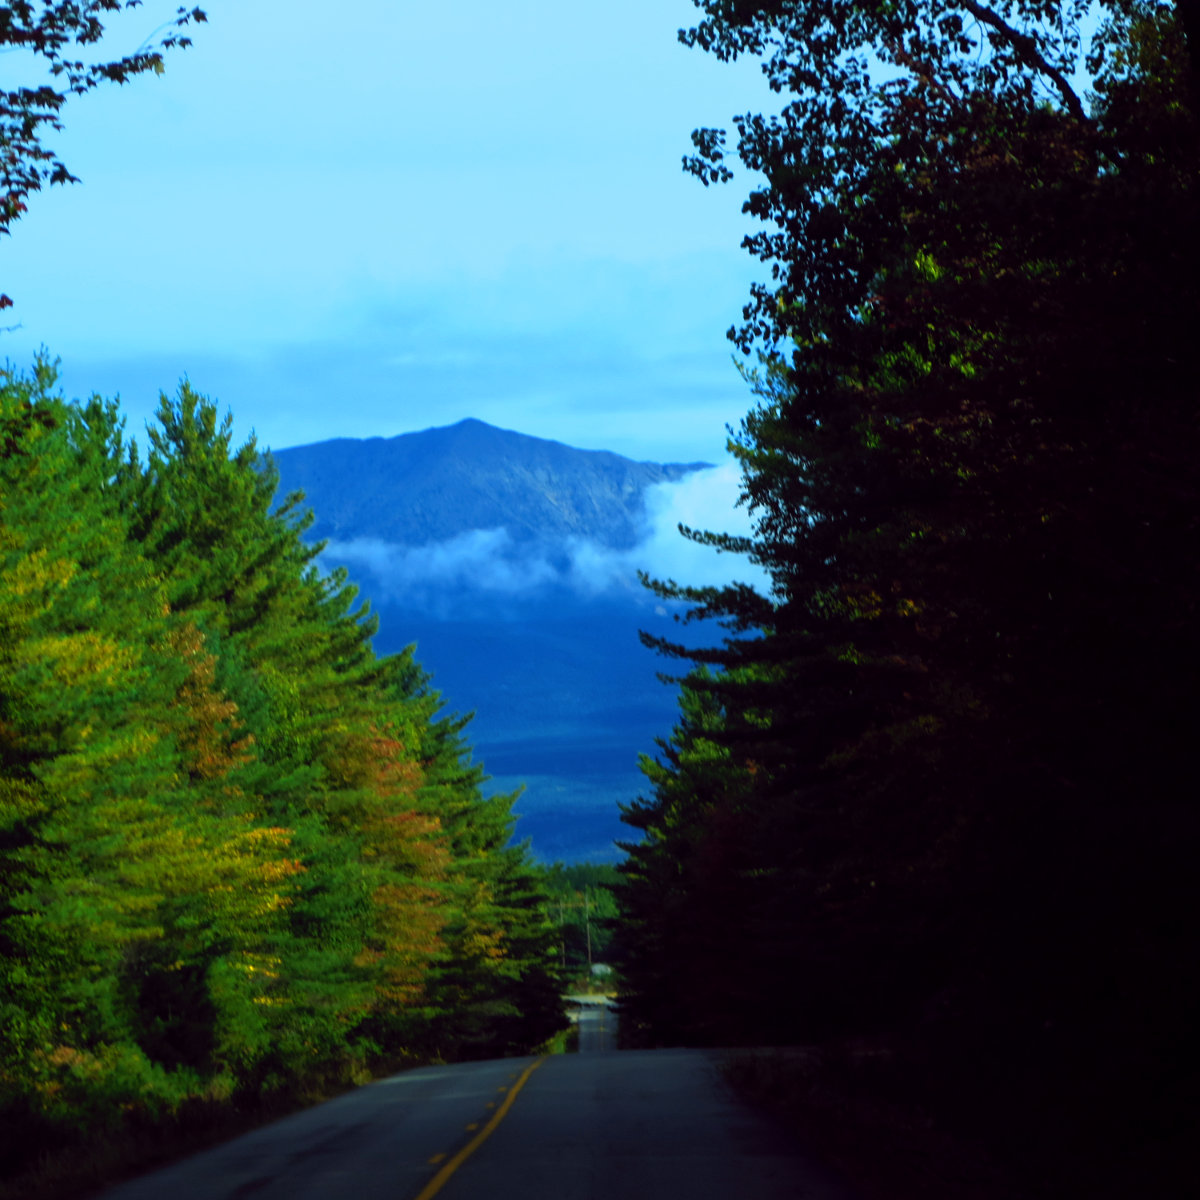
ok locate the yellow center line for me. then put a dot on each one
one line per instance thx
(436, 1184)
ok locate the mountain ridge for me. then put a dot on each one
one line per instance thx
(564, 694)
(436, 484)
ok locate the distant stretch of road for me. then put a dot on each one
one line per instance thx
(599, 1125)
(597, 1022)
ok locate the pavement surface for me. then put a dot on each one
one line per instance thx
(598, 1125)
(597, 1021)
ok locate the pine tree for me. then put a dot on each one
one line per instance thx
(970, 468)
(112, 919)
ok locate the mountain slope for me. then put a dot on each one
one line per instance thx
(432, 486)
(564, 694)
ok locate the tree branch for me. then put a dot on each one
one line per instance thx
(922, 70)
(1027, 49)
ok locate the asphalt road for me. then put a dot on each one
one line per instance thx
(597, 1022)
(634, 1125)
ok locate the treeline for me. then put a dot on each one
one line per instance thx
(240, 855)
(583, 909)
(933, 796)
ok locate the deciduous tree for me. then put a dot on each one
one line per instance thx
(62, 41)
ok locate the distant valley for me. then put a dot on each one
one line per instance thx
(511, 562)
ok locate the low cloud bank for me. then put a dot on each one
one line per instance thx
(489, 563)
(484, 559)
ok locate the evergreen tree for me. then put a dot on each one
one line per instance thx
(111, 918)
(241, 853)
(495, 989)
(583, 907)
(971, 472)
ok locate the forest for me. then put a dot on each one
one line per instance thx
(925, 810)
(927, 803)
(243, 859)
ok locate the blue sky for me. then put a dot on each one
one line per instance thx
(374, 219)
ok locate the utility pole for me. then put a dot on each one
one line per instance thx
(587, 918)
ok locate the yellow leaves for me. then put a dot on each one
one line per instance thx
(19, 801)
(35, 580)
(859, 602)
(262, 972)
(372, 758)
(864, 603)
(409, 922)
(277, 835)
(258, 877)
(265, 965)
(486, 944)
(280, 869)
(925, 267)
(273, 871)
(75, 659)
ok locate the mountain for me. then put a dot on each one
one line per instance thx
(428, 487)
(481, 546)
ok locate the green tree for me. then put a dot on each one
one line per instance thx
(409, 928)
(240, 854)
(583, 907)
(690, 947)
(495, 989)
(971, 471)
(127, 889)
(293, 654)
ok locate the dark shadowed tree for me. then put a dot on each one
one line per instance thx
(970, 466)
(61, 44)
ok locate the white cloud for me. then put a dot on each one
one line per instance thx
(483, 559)
(707, 501)
(487, 563)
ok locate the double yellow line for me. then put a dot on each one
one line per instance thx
(436, 1184)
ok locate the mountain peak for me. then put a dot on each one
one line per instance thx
(443, 482)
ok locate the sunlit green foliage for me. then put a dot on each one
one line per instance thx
(239, 853)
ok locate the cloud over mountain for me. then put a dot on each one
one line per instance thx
(511, 563)
(469, 513)
(492, 561)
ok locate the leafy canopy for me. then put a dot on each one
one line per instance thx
(64, 37)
